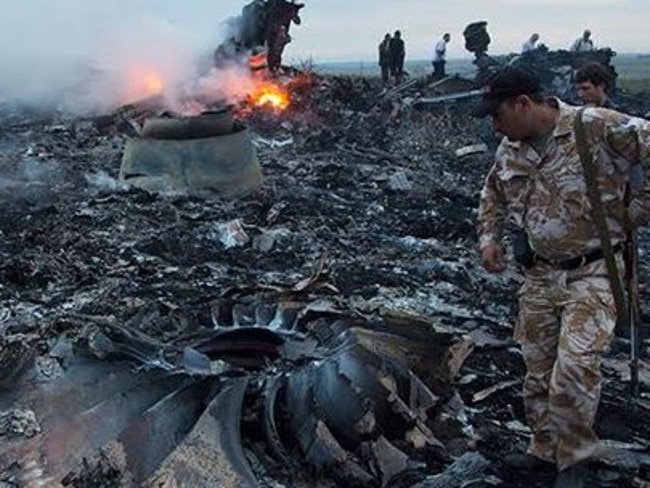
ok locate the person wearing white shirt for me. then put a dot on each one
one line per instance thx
(530, 44)
(440, 55)
(584, 43)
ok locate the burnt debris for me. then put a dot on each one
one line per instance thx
(205, 151)
(279, 389)
(215, 317)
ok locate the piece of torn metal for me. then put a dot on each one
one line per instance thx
(212, 453)
(471, 149)
(189, 153)
(479, 396)
(232, 234)
(447, 98)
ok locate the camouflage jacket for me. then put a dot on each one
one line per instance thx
(546, 194)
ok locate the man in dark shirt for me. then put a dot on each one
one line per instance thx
(384, 58)
(592, 83)
(397, 54)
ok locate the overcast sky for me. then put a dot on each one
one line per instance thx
(343, 29)
(350, 29)
(41, 40)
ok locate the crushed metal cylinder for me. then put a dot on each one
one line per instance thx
(206, 151)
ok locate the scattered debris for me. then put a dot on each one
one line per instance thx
(16, 422)
(451, 97)
(400, 182)
(232, 234)
(365, 218)
(479, 396)
(375, 408)
(473, 149)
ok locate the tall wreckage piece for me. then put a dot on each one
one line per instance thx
(263, 33)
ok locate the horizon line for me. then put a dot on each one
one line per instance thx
(468, 58)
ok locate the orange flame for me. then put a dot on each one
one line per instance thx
(153, 83)
(141, 83)
(271, 95)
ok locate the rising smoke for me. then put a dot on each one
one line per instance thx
(90, 56)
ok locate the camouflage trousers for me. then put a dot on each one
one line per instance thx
(566, 322)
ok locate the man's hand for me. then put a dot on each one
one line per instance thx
(492, 259)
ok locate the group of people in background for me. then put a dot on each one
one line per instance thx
(582, 44)
(392, 52)
(592, 80)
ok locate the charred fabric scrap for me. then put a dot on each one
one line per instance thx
(274, 388)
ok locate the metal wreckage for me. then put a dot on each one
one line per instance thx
(297, 387)
(262, 34)
(269, 385)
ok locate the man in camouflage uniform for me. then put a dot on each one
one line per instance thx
(566, 308)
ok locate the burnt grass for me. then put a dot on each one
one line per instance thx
(75, 242)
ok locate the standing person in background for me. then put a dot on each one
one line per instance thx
(440, 56)
(397, 53)
(384, 58)
(530, 44)
(592, 82)
(584, 43)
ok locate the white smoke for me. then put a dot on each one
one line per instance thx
(91, 56)
(229, 84)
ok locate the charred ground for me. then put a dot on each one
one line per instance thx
(368, 180)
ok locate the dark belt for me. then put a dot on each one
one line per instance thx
(578, 261)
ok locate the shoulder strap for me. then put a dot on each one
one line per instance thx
(598, 213)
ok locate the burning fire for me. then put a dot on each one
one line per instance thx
(141, 83)
(152, 83)
(271, 95)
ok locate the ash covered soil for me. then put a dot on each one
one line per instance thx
(371, 183)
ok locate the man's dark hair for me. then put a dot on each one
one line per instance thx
(595, 73)
(508, 83)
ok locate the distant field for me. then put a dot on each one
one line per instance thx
(633, 69)
(635, 86)
(633, 72)
(464, 67)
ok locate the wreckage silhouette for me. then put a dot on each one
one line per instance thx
(292, 387)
